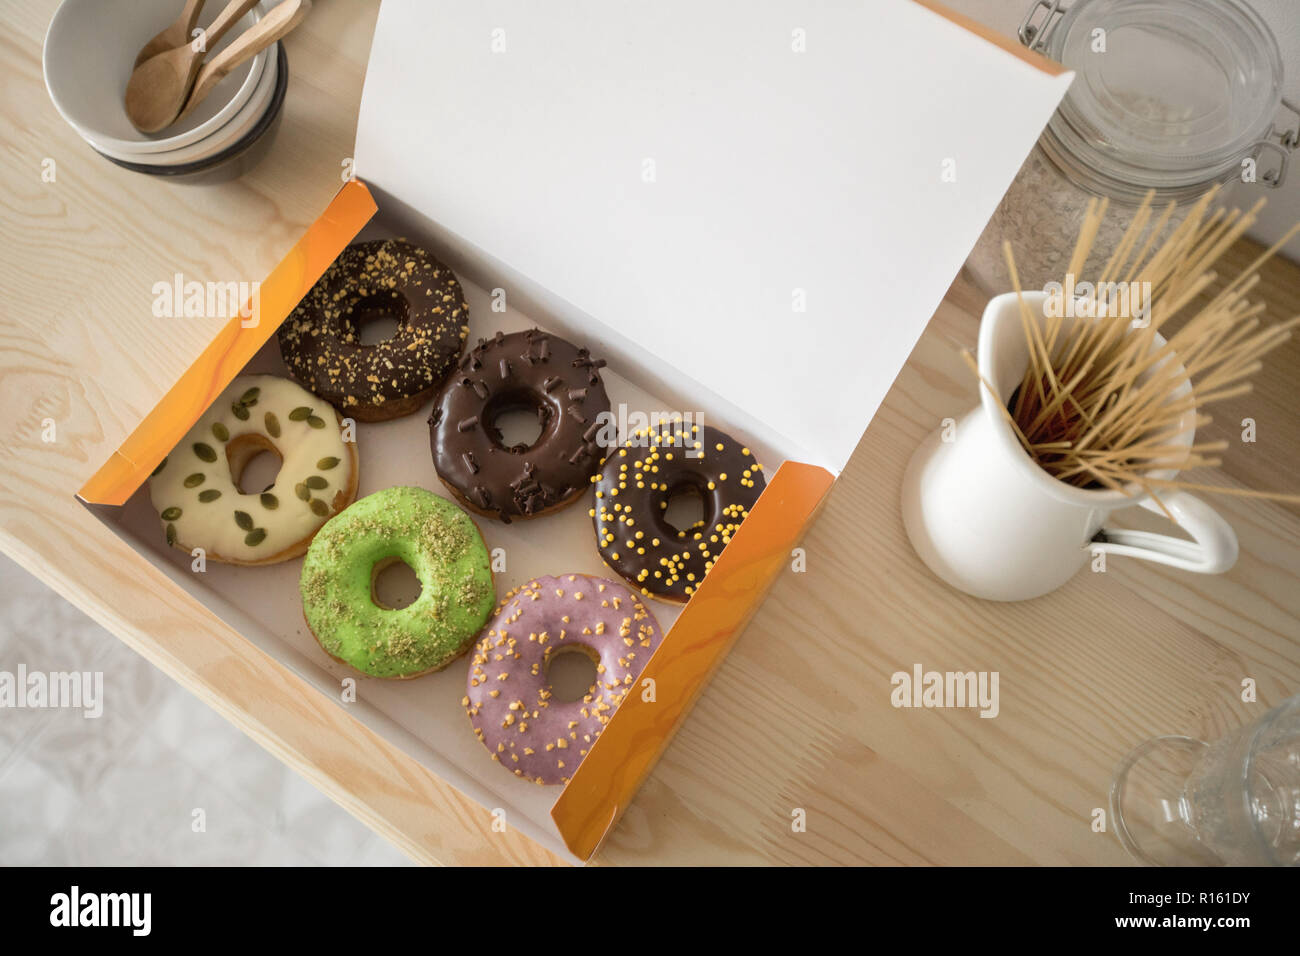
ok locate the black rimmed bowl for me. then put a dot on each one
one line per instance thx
(237, 158)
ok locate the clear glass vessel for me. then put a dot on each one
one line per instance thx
(1174, 96)
(1177, 801)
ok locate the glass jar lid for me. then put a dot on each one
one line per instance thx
(1167, 93)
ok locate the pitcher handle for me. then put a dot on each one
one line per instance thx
(1213, 550)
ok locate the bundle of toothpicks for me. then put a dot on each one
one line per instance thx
(1100, 405)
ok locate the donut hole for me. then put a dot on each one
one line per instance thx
(254, 463)
(376, 318)
(394, 584)
(571, 672)
(683, 509)
(516, 421)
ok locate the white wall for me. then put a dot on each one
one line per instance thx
(1283, 16)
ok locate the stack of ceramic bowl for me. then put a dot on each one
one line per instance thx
(90, 51)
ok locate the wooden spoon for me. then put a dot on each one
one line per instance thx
(174, 34)
(158, 87)
(283, 18)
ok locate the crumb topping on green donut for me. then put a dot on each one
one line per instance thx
(441, 545)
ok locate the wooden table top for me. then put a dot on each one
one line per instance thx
(799, 715)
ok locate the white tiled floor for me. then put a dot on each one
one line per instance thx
(124, 789)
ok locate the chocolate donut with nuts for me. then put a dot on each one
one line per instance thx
(321, 343)
(533, 371)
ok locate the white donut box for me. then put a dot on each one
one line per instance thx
(750, 210)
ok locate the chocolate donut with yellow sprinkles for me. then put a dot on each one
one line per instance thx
(634, 486)
(321, 343)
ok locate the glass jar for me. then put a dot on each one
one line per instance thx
(1173, 96)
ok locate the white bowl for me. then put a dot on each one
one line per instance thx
(90, 50)
(210, 145)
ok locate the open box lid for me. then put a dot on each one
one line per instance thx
(769, 199)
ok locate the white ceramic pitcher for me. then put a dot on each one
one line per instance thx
(988, 520)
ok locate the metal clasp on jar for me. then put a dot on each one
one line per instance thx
(1036, 35)
(1287, 142)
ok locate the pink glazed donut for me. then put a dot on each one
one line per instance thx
(509, 700)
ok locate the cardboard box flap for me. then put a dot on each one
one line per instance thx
(768, 198)
(230, 350)
(645, 723)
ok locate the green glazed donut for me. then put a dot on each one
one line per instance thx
(443, 547)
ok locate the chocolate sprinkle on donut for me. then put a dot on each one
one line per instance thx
(520, 371)
(321, 344)
(633, 489)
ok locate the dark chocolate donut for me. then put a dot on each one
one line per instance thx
(321, 345)
(531, 370)
(632, 493)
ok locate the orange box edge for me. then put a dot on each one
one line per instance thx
(648, 718)
(231, 348)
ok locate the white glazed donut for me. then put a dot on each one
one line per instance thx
(196, 488)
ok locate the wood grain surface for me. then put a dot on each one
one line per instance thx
(799, 715)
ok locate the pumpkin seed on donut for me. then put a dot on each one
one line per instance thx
(196, 489)
(321, 342)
